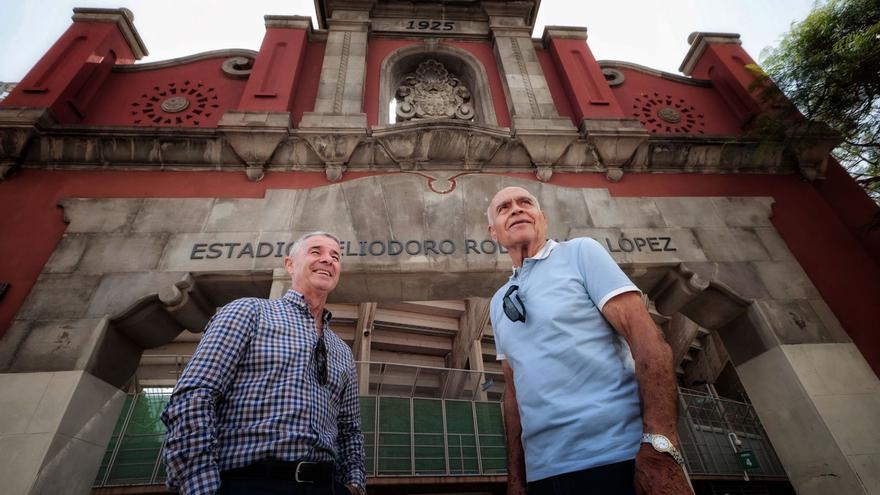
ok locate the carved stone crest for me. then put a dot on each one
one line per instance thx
(431, 92)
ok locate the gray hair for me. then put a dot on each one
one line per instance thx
(298, 245)
(491, 219)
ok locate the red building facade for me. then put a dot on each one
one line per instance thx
(393, 122)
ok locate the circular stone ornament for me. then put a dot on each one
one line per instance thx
(175, 104)
(670, 115)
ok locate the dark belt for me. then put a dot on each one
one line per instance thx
(298, 471)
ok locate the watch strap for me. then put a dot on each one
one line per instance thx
(670, 449)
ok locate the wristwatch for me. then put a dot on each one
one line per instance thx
(662, 444)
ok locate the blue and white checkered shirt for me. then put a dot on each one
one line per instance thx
(251, 393)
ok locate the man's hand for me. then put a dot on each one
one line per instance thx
(658, 474)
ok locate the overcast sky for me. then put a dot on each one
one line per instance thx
(651, 33)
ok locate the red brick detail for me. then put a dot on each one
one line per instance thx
(73, 71)
(584, 83)
(273, 80)
(725, 65)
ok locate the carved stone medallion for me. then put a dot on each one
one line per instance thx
(669, 115)
(431, 92)
(175, 104)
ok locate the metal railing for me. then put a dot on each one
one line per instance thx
(713, 431)
(424, 421)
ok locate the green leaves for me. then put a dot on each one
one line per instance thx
(828, 66)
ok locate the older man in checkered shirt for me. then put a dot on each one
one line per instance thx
(269, 402)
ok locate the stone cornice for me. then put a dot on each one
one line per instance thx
(428, 145)
(161, 64)
(617, 64)
(698, 41)
(562, 32)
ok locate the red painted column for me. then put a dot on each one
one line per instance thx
(581, 76)
(70, 74)
(273, 79)
(720, 58)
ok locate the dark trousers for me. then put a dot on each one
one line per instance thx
(612, 479)
(241, 485)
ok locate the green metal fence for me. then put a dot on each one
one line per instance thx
(132, 457)
(421, 421)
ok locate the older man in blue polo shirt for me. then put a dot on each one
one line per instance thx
(590, 405)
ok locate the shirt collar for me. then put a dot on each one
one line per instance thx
(545, 251)
(299, 300)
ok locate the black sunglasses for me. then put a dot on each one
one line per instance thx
(321, 361)
(510, 308)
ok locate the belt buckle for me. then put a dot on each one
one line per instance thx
(296, 473)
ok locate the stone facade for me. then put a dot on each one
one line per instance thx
(728, 234)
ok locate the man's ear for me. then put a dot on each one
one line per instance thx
(288, 265)
(492, 233)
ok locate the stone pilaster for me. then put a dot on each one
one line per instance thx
(537, 124)
(332, 128)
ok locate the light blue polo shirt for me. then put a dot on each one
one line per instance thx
(574, 374)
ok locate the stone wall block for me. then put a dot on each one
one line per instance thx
(402, 201)
(326, 208)
(279, 209)
(731, 244)
(745, 212)
(59, 296)
(371, 217)
(629, 212)
(477, 191)
(814, 463)
(774, 244)
(832, 369)
(11, 341)
(444, 220)
(569, 209)
(55, 345)
(117, 292)
(123, 253)
(689, 212)
(276, 258)
(829, 320)
(173, 215)
(795, 322)
(94, 398)
(18, 471)
(741, 278)
(100, 215)
(21, 396)
(67, 254)
(786, 280)
(856, 433)
(234, 215)
(209, 252)
(70, 463)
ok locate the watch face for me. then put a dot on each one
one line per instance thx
(660, 443)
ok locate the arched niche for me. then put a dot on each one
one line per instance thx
(457, 61)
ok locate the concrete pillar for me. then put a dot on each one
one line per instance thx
(54, 430)
(362, 343)
(537, 124)
(819, 404)
(614, 134)
(340, 97)
(818, 399)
